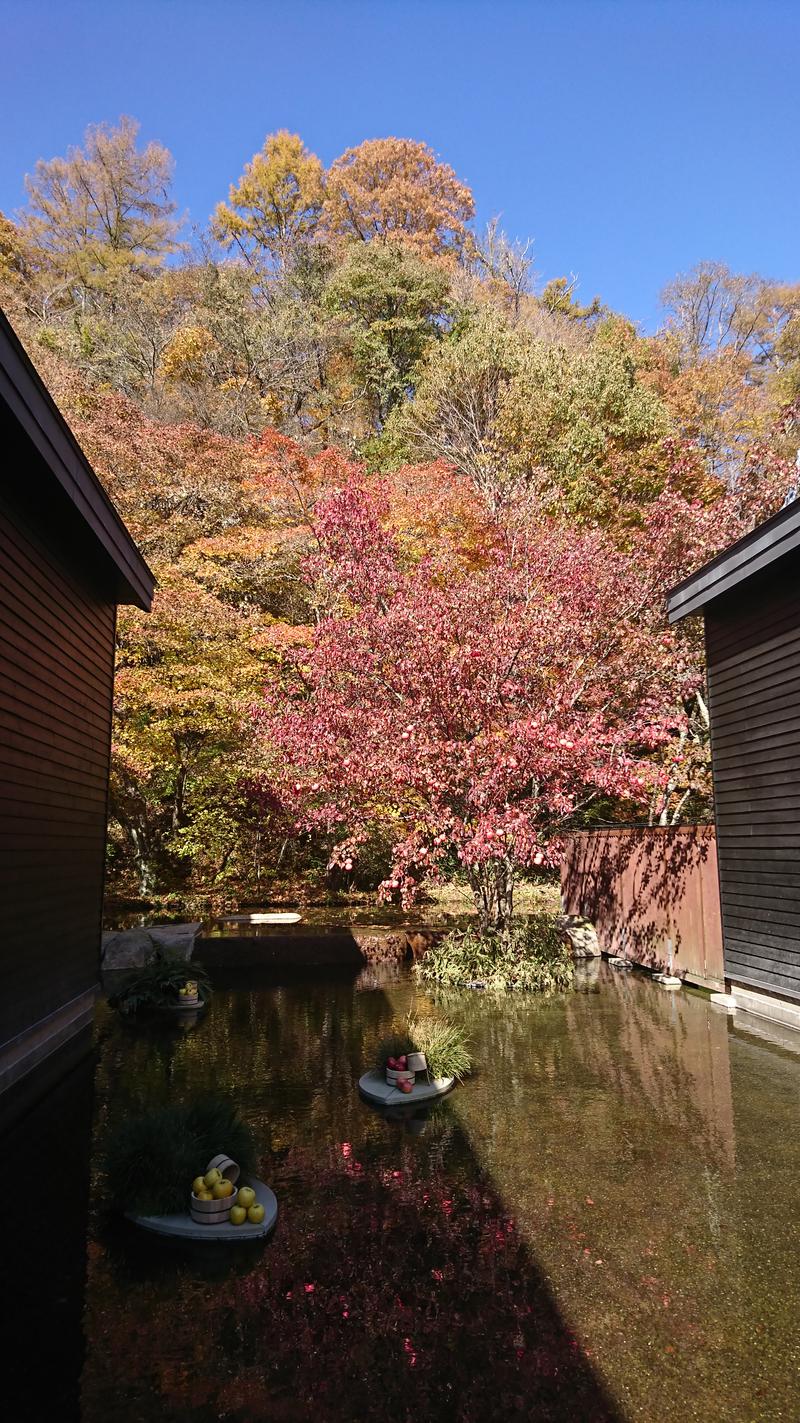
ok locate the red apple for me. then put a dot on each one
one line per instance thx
(391, 1063)
(402, 1063)
(406, 1086)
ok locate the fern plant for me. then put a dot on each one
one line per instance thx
(156, 985)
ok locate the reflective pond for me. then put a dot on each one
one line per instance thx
(602, 1223)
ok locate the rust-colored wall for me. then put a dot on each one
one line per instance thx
(649, 890)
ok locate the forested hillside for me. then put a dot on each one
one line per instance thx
(395, 489)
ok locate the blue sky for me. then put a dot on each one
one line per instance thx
(629, 138)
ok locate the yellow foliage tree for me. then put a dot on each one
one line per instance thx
(185, 357)
(277, 201)
(104, 209)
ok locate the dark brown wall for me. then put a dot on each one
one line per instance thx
(753, 649)
(56, 673)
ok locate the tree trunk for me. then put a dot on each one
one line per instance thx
(145, 868)
(492, 885)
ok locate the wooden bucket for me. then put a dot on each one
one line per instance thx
(417, 1062)
(393, 1078)
(225, 1166)
(216, 1212)
(212, 1212)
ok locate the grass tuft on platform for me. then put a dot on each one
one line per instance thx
(151, 1160)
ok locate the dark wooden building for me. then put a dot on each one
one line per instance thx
(750, 599)
(66, 562)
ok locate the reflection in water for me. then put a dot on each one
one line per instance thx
(614, 1146)
(601, 1224)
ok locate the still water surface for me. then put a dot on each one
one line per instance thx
(601, 1224)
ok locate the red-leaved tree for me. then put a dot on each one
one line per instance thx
(467, 716)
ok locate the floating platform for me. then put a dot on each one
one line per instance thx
(374, 1086)
(181, 1226)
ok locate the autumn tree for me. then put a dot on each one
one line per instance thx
(506, 263)
(396, 189)
(711, 307)
(465, 718)
(186, 675)
(241, 363)
(559, 298)
(733, 342)
(277, 202)
(227, 400)
(12, 250)
(713, 403)
(577, 427)
(786, 343)
(589, 432)
(103, 209)
(455, 411)
(394, 304)
(430, 509)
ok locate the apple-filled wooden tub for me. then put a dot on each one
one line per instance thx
(184, 1005)
(375, 1088)
(181, 1226)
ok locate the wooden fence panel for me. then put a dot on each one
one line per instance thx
(652, 895)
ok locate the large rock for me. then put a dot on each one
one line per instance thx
(175, 939)
(132, 948)
(125, 948)
(581, 936)
(419, 941)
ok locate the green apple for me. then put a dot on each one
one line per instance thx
(204, 1195)
(238, 1215)
(247, 1197)
(212, 1177)
(255, 1214)
(198, 1184)
(221, 1189)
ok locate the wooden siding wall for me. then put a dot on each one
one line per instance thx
(652, 895)
(753, 650)
(56, 677)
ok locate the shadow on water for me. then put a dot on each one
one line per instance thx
(573, 1235)
(397, 1284)
(46, 1160)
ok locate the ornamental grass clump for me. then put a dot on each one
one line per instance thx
(150, 1159)
(158, 983)
(444, 1044)
(528, 957)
